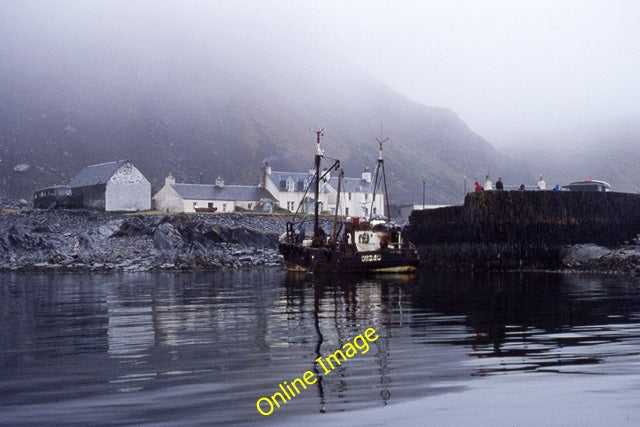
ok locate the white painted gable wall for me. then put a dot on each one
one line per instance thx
(128, 190)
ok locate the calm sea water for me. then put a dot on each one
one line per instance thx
(202, 348)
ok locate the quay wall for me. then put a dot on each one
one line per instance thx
(521, 229)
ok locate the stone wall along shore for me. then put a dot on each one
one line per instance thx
(522, 229)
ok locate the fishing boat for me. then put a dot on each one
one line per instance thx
(354, 245)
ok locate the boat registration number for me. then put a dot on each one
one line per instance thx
(371, 258)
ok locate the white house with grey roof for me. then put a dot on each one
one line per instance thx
(112, 186)
(178, 197)
(357, 194)
(290, 188)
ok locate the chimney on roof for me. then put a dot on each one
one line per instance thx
(170, 180)
(366, 175)
(219, 182)
(264, 171)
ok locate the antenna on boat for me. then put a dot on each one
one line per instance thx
(319, 133)
(381, 141)
(380, 152)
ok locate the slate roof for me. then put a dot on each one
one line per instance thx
(54, 187)
(298, 177)
(349, 185)
(228, 192)
(354, 185)
(96, 174)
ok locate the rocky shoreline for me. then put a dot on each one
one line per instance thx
(590, 258)
(35, 240)
(75, 240)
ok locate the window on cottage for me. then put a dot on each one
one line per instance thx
(366, 196)
(224, 207)
(346, 211)
(210, 204)
(249, 206)
(349, 196)
(195, 204)
(291, 184)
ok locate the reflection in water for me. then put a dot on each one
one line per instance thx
(541, 322)
(201, 348)
(342, 309)
(317, 296)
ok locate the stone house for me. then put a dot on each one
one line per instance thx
(178, 197)
(112, 186)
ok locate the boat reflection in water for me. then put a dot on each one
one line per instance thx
(340, 309)
(438, 329)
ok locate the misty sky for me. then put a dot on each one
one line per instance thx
(517, 72)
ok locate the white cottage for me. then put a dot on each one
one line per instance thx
(289, 188)
(112, 186)
(357, 196)
(177, 197)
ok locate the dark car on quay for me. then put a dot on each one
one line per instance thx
(587, 185)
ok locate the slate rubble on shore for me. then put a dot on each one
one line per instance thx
(95, 241)
(75, 240)
(624, 259)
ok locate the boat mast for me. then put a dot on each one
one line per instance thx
(316, 228)
(379, 167)
(335, 216)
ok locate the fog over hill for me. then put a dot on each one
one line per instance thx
(224, 124)
(88, 95)
(206, 90)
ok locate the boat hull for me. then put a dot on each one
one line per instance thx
(307, 259)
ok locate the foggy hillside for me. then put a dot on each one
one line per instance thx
(214, 88)
(78, 90)
(224, 119)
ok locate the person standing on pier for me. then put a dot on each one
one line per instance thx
(487, 184)
(541, 184)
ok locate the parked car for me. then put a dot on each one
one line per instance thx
(587, 185)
